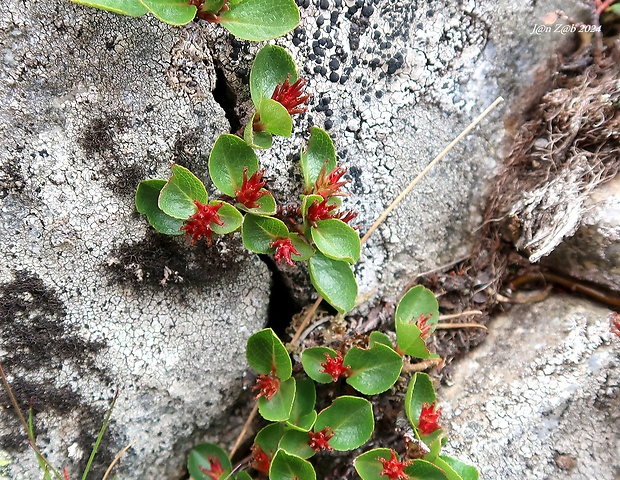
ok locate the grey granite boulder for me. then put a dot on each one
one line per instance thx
(91, 300)
(540, 399)
(593, 253)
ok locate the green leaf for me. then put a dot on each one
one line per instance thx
(278, 409)
(423, 470)
(373, 371)
(320, 149)
(455, 469)
(243, 475)
(231, 217)
(266, 352)
(275, 118)
(258, 232)
(266, 205)
(351, 420)
(417, 302)
(379, 337)
(271, 67)
(615, 8)
(269, 437)
(199, 457)
(285, 466)
(213, 6)
(147, 196)
(256, 139)
(369, 467)
(419, 392)
(307, 201)
(336, 240)
(303, 414)
(227, 161)
(301, 246)
(311, 359)
(176, 198)
(174, 12)
(296, 442)
(334, 280)
(133, 8)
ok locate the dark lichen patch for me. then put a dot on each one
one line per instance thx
(160, 261)
(34, 330)
(11, 176)
(98, 137)
(39, 341)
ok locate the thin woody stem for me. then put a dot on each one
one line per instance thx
(449, 326)
(245, 429)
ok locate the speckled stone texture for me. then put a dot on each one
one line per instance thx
(540, 399)
(593, 253)
(91, 300)
(394, 82)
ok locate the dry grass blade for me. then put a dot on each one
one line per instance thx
(116, 460)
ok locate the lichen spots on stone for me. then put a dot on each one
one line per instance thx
(38, 342)
(33, 330)
(160, 261)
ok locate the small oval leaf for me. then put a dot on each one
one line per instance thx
(351, 420)
(258, 232)
(278, 409)
(265, 353)
(231, 217)
(285, 466)
(133, 8)
(271, 67)
(228, 159)
(147, 196)
(296, 443)
(373, 371)
(173, 12)
(336, 240)
(206, 456)
(419, 391)
(311, 359)
(320, 149)
(303, 406)
(178, 195)
(334, 280)
(275, 118)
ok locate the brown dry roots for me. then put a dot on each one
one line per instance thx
(568, 143)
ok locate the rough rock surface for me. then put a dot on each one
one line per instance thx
(394, 82)
(93, 102)
(593, 253)
(541, 397)
(91, 300)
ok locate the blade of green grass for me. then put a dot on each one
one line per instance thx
(100, 436)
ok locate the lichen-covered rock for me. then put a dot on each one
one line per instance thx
(593, 253)
(540, 398)
(394, 82)
(91, 299)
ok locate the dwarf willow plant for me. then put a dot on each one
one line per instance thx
(256, 20)
(316, 231)
(282, 449)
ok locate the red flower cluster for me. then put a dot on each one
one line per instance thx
(615, 323)
(284, 249)
(393, 469)
(267, 386)
(422, 324)
(199, 224)
(260, 460)
(215, 471)
(318, 441)
(291, 96)
(328, 184)
(429, 419)
(334, 366)
(250, 190)
(208, 16)
(322, 211)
